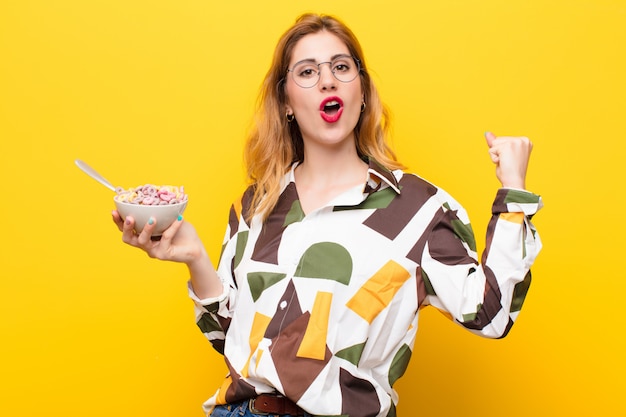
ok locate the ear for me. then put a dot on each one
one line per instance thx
(288, 109)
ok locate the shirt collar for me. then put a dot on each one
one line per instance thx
(380, 176)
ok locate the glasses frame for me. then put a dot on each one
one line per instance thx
(319, 70)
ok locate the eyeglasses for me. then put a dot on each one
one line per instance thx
(344, 68)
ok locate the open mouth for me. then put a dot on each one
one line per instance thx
(331, 109)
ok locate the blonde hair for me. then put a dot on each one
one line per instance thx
(273, 144)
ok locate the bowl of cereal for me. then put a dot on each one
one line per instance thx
(163, 203)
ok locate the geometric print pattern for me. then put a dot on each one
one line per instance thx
(324, 307)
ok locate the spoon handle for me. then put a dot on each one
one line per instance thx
(93, 174)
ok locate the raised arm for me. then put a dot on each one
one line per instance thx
(485, 297)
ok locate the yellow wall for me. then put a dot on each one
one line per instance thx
(162, 91)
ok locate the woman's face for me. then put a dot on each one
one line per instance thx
(328, 112)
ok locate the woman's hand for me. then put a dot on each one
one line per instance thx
(511, 155)
(178, 243)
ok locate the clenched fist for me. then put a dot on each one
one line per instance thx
(511, 155)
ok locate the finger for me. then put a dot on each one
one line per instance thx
(128, 231)
(494, 155)
(117, 219)
(146, 233)
(527, 143)
(490, 137)
(171, 231)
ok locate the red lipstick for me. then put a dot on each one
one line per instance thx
(331, 109)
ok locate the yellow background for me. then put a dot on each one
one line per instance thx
(162, 91)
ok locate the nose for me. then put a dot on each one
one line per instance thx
(327, 79)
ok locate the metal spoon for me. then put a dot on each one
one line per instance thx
(93, 174)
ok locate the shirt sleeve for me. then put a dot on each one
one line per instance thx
(213, 315)
(484, 297)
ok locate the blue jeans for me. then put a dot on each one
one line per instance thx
(242, 410)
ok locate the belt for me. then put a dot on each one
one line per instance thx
(274, 404)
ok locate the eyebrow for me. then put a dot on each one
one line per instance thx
(332, 58)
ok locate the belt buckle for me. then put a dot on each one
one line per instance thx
(253, 408)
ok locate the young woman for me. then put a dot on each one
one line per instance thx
(333, 249)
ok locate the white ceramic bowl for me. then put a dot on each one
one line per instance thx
(164, 215)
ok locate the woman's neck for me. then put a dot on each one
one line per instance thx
(322, 169)
(324, 175)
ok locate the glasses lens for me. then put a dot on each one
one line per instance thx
(345, 69)
(306, 74)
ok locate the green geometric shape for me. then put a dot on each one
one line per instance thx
(399, 364)
(213, 307)
(352, 354)
(326, 260)
(295, 214)
(380, 199)
(471, 316)
(519, 293)
(260, 281)
(427, 284)
(208, 324)
(465, 232)
(392, 410)
(242, 240)
(521, 197)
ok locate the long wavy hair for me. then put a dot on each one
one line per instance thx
(274, 144)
